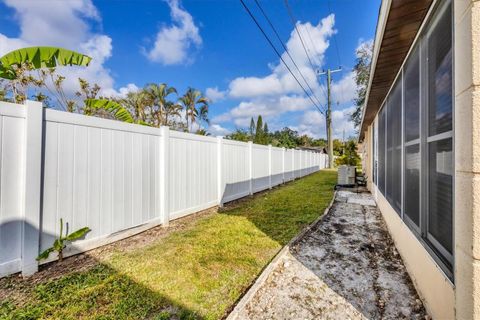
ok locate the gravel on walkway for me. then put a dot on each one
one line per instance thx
(345, 267)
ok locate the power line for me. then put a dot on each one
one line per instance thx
(337, 51)
(278, 53)
(293, 20)
(316, 53)
(285, 48)
(335, 37)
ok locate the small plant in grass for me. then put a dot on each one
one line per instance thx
(61, 242)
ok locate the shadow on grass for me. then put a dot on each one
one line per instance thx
(100, 292)
(216, 259)
(83, 287)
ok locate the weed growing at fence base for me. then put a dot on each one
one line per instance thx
(195, 273)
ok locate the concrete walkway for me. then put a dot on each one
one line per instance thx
(345, 267)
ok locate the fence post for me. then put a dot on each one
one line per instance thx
(270, 166)
(293, 163)
(219, 171)
(250, 166)
(33, 186)
(283, 165)
(164, 174)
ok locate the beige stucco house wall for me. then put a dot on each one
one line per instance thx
(467, 158)
(446, 298)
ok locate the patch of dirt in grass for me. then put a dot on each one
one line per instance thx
(16, 288)
(345, 267)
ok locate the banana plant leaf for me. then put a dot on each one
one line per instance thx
(7, 73)
(44, 255)
(80, 233)
(116, 109)
(58, 245)
(44, 57)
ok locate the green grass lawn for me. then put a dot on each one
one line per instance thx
(195, 273)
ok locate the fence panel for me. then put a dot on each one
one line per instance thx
(277, 166)
(298, 163)
(117, 178)
(289, 169)
(260, 168)
(100, 174)
(235, 170)
(192, 173)
(12, 154)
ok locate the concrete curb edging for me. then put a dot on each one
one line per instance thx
(233, 315)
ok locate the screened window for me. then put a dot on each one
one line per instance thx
(374, 144)
(412, 183)
(440, 74)
(394, 146)
(411, 98)
(381, 150)
(439, 140)
(440, 192)
(417, 118)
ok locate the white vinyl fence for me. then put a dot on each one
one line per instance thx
(117, 178)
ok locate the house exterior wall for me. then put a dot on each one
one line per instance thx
(442, 298)
(467, 158)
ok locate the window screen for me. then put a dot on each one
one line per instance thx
(440, 75)
(375, 153)
(394, 146)
(412, 97)
(440, 192)
(440, 155)
(411, 100)
(412, 183)
(381, 150)
(425, 96)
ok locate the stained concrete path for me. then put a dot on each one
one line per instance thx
(345, 267)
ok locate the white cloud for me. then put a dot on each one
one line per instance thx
(218, 130)
(173, 42)
(280, 81)
(122, 92)
(214, 95)
(344, 90)
(278, 93)
(341, 123)
(64, 24)
(270, 108)
(60, 23)
(312, 123)
(248, 87)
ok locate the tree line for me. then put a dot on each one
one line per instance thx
(259, 133)
(31, 73)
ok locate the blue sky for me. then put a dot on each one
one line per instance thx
(213, 46)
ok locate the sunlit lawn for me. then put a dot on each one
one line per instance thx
(195, 273)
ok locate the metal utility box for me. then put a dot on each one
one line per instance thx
(346, 175)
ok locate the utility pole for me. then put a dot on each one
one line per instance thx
(328, 115)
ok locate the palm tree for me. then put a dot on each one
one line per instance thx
(190, 100)
(136, 103)
(161, 106)
(172, 109)
(202, 132)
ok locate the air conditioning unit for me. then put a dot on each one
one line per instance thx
(346, 175)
